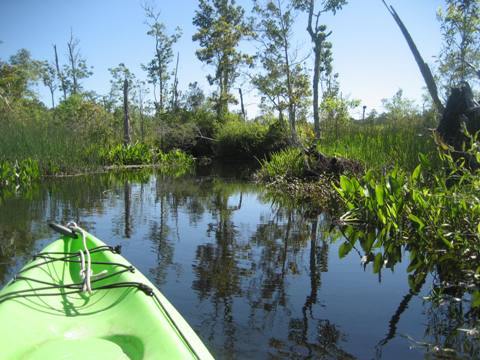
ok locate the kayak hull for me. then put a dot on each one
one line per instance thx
(131, 321)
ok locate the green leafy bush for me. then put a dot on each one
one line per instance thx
(136, 154)
(238, 139)
(175, 163)
(287, 163)
(18, 175)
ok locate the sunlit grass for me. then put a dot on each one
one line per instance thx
(380, 145)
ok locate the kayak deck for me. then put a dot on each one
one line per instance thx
(44, 313)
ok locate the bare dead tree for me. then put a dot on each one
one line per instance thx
(175, 86)
(241, 104)
(60, 75)
(423, 66)
(73, 59)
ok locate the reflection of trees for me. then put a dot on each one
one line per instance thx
(127, 200)
(158, 233)
(308, 336)
(452, 329)
(261, 273)
(217, 270)
(23, 220)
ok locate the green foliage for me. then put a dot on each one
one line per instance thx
(283, 83)
(17, 78)
(336, 116)
(434, 213)
(18, 175)
(239, 139)
(158, 68)
(460, 55)
(175, 162)
(288, 163)
(399, 108)
(378, 143)
(132, 154)
(221, 27)
(322, 49)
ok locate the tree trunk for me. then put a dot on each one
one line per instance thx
(422, 65)
(126, 123)
(60, 75)
(316, 81)
(142, 125)
(461, 109)
(53, 97)
(71, 52)
(127, 191)
(241, 104)
(161, 84)
(175, 86)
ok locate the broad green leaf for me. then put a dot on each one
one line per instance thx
(379, 194)
(476, 298)
(417, 220)
(344, 249)
(377, 263)
(345, 184)
(416, 173)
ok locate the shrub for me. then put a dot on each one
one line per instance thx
(135, 154)
(239, 139)
(18, 175)
(287, 163)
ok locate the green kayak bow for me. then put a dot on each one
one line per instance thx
(80, 299)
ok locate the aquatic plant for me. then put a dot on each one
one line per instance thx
(432, 212)
(17, 175)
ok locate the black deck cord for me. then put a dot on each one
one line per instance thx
(140, 286)
(67, 259)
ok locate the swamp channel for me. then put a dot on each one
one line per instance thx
(255, 278)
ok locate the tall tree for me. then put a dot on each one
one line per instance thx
(158, 67)
(221, 26)
(77, 68)
(119, 74)
(459, 58)
(18, 76)
(175, 85)
(49, 79)
(321, 47)
(122, 89)
(284, 82)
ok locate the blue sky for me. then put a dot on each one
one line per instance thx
(370, 53)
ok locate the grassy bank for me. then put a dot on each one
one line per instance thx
(378, 144)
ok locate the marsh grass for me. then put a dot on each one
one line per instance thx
(385, 144)
(53, 146)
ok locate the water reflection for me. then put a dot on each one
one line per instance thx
(255, 277)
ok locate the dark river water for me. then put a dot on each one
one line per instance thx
(255, 280)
